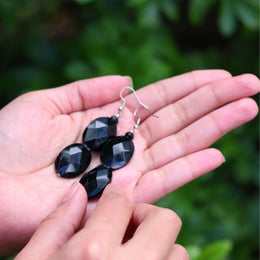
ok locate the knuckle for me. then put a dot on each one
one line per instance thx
(52, 218)
(93, 250)
(162, 180)
(161, 90)
(181, 112)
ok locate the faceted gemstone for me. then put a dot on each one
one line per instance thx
(99, 131)
(118, 151)
(96, 180)
(72, 160)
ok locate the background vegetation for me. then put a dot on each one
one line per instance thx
(47, 43)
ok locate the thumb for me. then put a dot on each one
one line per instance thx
(58, 227)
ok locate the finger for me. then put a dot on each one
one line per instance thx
(167, 91)
(202, 133)
(58, 227)
(108, 223)
(176, 174)
(80, 95)
(178, 252)
(178, 115)
(157, 230)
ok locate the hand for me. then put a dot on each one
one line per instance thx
(195, 110)
(154, 230)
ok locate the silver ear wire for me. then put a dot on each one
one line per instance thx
(118, 114)
(138, 119)
(136, 96)
(124, 101)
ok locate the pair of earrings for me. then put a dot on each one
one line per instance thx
(100, 135)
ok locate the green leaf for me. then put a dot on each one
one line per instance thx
(193, 250)
(83, 2)
(248, 14)
(136, 3)
(226, 19)
(216, 251)
(170, 9)
(149, 15)
(198, 10)
(76, 70)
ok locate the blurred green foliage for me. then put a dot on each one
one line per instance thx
(46, 43)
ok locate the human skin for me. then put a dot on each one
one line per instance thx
(195, 110)
(104, 234)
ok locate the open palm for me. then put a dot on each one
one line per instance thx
(194, 109)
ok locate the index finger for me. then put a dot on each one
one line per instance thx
(167, 91)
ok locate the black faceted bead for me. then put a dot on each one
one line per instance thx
(117, 152)
(72, 160)
(96, 180)
(129, 136)
(99, 131)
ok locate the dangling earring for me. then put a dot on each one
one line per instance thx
(116, 153)
(75, 158)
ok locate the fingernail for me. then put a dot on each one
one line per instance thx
(130, 80)
(71, 191)
(224, 159)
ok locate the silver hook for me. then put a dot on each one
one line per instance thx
(136, 96)
(138, 119)
(124, 101)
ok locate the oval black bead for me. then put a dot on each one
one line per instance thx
(117, 152)
(72, 160)
(99, 131)
(96, 180)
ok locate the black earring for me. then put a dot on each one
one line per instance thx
(116, 153)
(99, 135)
(75, 158)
